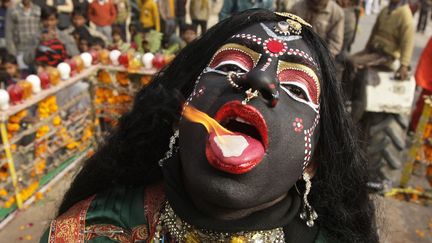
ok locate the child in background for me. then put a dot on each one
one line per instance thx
(188, 34)
(50, 51)
(10, 65)
(103, 13)
(97, 44)
(118, 41)
(9, 70)
(149, 15)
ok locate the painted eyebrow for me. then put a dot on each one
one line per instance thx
(283, 65)
(255, 56)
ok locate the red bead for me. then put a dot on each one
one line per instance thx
(124, 59)
(73, 65)
(95, 56)
(15, 93)
(158, 61)
(45, 80)
(275, 46)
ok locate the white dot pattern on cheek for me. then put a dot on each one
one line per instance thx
(308, 141)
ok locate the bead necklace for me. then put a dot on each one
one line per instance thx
(181, 231)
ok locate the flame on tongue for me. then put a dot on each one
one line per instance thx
(231, 152)
(194, 115)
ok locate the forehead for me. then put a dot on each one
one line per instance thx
(262, 38)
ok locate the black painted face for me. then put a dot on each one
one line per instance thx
(274, 133)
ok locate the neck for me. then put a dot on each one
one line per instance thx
(234, 214)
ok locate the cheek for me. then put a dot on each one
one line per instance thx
(208, 88)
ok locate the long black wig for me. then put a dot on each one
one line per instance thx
(131, 153)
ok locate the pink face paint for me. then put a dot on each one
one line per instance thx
(232, 56)
(298, 125)
(290, 75)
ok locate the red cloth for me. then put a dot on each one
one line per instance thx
(102, 14)
(51, 52)
(423, 73)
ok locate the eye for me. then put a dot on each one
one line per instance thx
(296, 91)
(230, 66)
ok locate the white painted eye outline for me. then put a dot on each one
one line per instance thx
(231, 62)
(305, 90)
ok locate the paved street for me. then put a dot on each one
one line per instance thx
(399, 222)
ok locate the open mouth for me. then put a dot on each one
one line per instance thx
(241, 151)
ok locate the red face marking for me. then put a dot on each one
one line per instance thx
(234, 56)
(303, 78)
(298, 125)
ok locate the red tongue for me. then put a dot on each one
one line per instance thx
(236, 153)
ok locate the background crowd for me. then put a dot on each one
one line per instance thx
(38, 33)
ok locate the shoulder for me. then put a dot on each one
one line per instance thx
(324, 237)
(117, 213)
(406, 13)
(336, 10)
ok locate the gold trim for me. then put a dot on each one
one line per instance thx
(293, 17)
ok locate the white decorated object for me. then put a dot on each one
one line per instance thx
(114, 56)
(87, 59)
(64, 70)
(390, 96)
(4, 99)
(35, 82)
(147, 60)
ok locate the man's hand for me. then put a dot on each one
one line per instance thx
(402, 73)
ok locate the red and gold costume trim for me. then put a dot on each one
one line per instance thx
(69, 227)
(139, 233)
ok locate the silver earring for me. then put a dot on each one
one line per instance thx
(171, 148)
(308, 213)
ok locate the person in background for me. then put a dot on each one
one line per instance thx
(123, 12)
(97, 44)
(326, 18)
(231, 7)
(350, 20)
(188, 34)
(50, 51)
(22, 25)
(103, 13)
(64, 10)
(200, 11)
(50, 35)
(180, 11)
(81, 33)
(10, 65)
(425, 6)
(392, 38)
(118, 41)
(284, 5)
(81, 4)
(5, 4)
(149, 17)
(84, 45)
(79, 20)
(168, 17)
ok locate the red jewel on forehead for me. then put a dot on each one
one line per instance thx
(275, 47)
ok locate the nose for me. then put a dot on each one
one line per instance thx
(264, 82)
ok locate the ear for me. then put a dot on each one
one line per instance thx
(311, 168)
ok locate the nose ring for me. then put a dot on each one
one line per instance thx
(249, 96)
